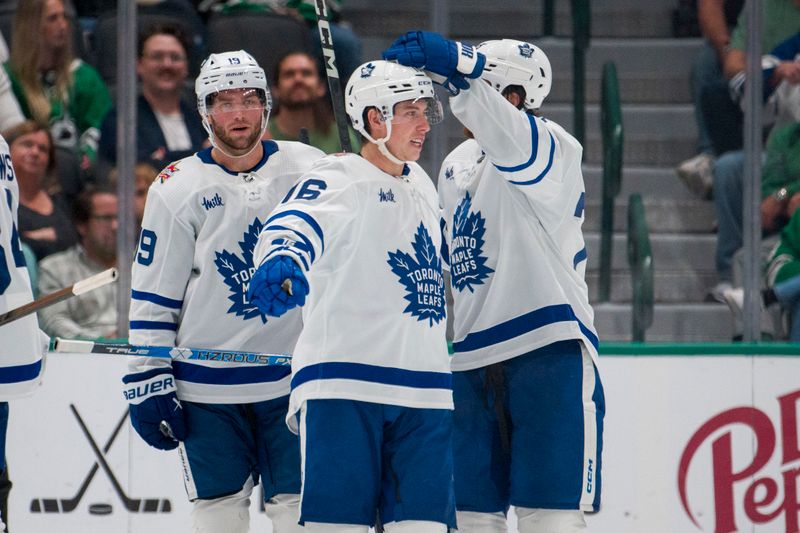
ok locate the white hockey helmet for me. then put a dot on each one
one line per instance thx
(229, 70)
(512, 62)
(382, 84)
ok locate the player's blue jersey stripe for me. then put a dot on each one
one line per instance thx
(534, 150)
(306, 240)
(589, 335)
(544, 172)
(292, 251)
(156, 299)
(308, 219)
(581, 204)
(152, 324)
(580, 256)
(20, 373)
(445, 250)
(521, 325)
(373, 374)
(196, 373)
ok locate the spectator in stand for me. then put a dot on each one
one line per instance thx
(781, 72)
(52, 85)
(717, 18)
(783, 275)
(168, 127)
(144, 175)
(10, 113)
(93, 314)
(302, 102)
(44, 223)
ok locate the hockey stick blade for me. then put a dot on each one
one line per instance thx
(133, 505)
(81, 287)
(176, 354)
(335, 86)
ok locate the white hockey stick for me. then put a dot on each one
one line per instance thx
(176, 354)
(98, 280)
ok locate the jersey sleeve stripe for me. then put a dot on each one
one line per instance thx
(580, 206)
(373, 374)
(580, 256)
(291, 251)
(243, 375)
(520, 325)
(20, 373)
(544, 172)
(152, 324)
(156, 299)
(308, 219)
(534, 150)
(299, 234)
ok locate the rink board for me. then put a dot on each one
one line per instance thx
(697, 438)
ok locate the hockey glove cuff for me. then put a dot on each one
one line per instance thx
(156, 412)
(278, 286)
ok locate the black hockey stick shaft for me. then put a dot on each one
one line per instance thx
(133, 505)
(334, 84)
(86, 285)
(51, 505)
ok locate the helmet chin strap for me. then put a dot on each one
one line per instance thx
(382, 148)
(213, 138)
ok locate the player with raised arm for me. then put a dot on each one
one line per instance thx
(356, 244)
(22, 345)
(189, 288)
(529, 403)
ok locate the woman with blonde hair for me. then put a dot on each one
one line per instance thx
(52, 85)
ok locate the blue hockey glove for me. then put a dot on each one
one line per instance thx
(452, 61)
(278, 286)
(156, 412)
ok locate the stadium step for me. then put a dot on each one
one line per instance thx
(683, 322)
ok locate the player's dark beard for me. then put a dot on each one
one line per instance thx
(240, 144)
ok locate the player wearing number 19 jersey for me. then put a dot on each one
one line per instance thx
(190, 280)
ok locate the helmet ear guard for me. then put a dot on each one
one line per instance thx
(512, 62)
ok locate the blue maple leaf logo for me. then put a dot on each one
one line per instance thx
(525, 50)
(421, 276)
(237, 271)
(366, 70)
(448, 173)
(467, 264)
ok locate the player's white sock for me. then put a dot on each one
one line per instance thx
(229, 513)
(472, 522)
(550, 521)
(415, 526)
(283, 510)
(319, 527)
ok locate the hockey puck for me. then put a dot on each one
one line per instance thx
(100, 508)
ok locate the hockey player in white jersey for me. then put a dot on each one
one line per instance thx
(189, 288)
(529, 401)
(356, 244)
(22, 345)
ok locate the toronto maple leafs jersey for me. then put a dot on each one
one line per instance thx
(21, 343)
(192, 270)
(513, 202)
(374, 318)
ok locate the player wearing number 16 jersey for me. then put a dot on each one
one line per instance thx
(189, 288)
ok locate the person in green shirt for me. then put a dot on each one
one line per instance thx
(302, 103)
(52, 85)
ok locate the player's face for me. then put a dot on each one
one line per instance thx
(409, 128)
(30, 154)
(236, 116)
(299, 84)
(99, 235)
(163, 66)
(55, 25)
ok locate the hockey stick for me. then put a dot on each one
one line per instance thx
(133, 505)
(67, 505)
(337, 98)
(98, 280)
(176, 354)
